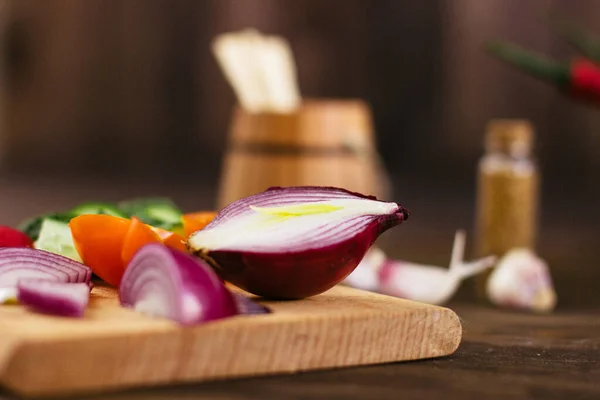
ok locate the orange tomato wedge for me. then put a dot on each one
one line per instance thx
(99, 241)
(171, 239)
(193, 222)
(139, 235)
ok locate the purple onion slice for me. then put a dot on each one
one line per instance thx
(55, 298)
(27, 263)
(167, 283)
(246, 305)
(294, 242)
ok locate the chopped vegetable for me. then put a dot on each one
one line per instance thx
(522, 280)
(98, 208)
(32, 226)
(99, 241)
(107, 243)
(56, 298)
(158, 212)
(294, 242)
(138, 236)
(167, 283)
(55, 237)
(245, 305)
(193, 222)
(10, 237)
(22, 263)
(171, 239)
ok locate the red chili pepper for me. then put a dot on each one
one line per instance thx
(585, 80)
(579, 79)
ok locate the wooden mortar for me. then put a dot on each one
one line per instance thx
(325, 142)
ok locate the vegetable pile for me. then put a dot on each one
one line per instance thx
(283, 243)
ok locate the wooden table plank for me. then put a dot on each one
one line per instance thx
(504, 355)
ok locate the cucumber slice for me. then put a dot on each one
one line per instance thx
(31, 227)
(98, 208)
(55, 237)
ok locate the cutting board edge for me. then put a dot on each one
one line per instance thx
(123, 389)
(451, 332)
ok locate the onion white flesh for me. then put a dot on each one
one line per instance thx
(167, 283)
(294, 242)
(26, 263)
(55, 298)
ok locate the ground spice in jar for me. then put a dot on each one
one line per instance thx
(507, 192)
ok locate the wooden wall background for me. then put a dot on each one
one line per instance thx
(129, 88)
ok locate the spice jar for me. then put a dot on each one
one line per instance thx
(507, 192)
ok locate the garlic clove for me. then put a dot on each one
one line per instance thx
(418, 282)
(521, 280)
(544, 300)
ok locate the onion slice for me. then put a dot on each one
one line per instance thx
(164, 282)
(245, 305)
(294, 242)
(55, 298)
(27, 263)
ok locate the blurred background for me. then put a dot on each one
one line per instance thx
(110, 99)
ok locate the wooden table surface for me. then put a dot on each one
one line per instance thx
(504, 354)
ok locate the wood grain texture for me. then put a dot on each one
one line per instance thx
(503, 356)
(114, 347)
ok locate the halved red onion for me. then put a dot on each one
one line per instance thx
(294, 242)
(168, 283)
(55, 298)
(26, 263)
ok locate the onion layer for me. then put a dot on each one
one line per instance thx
(26, 263)
(295, 242)
(56, 298)
(167, 283)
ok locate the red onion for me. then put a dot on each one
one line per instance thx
(24, 263)
(56, 298)
(168, 283)
(294, 242)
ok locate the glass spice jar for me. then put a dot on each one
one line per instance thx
(507, 192)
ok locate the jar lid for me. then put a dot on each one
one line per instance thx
(511, 136)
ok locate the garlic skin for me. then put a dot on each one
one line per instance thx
(521, 280)
(418, 282)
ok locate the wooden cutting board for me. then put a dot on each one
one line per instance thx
(114, 347)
